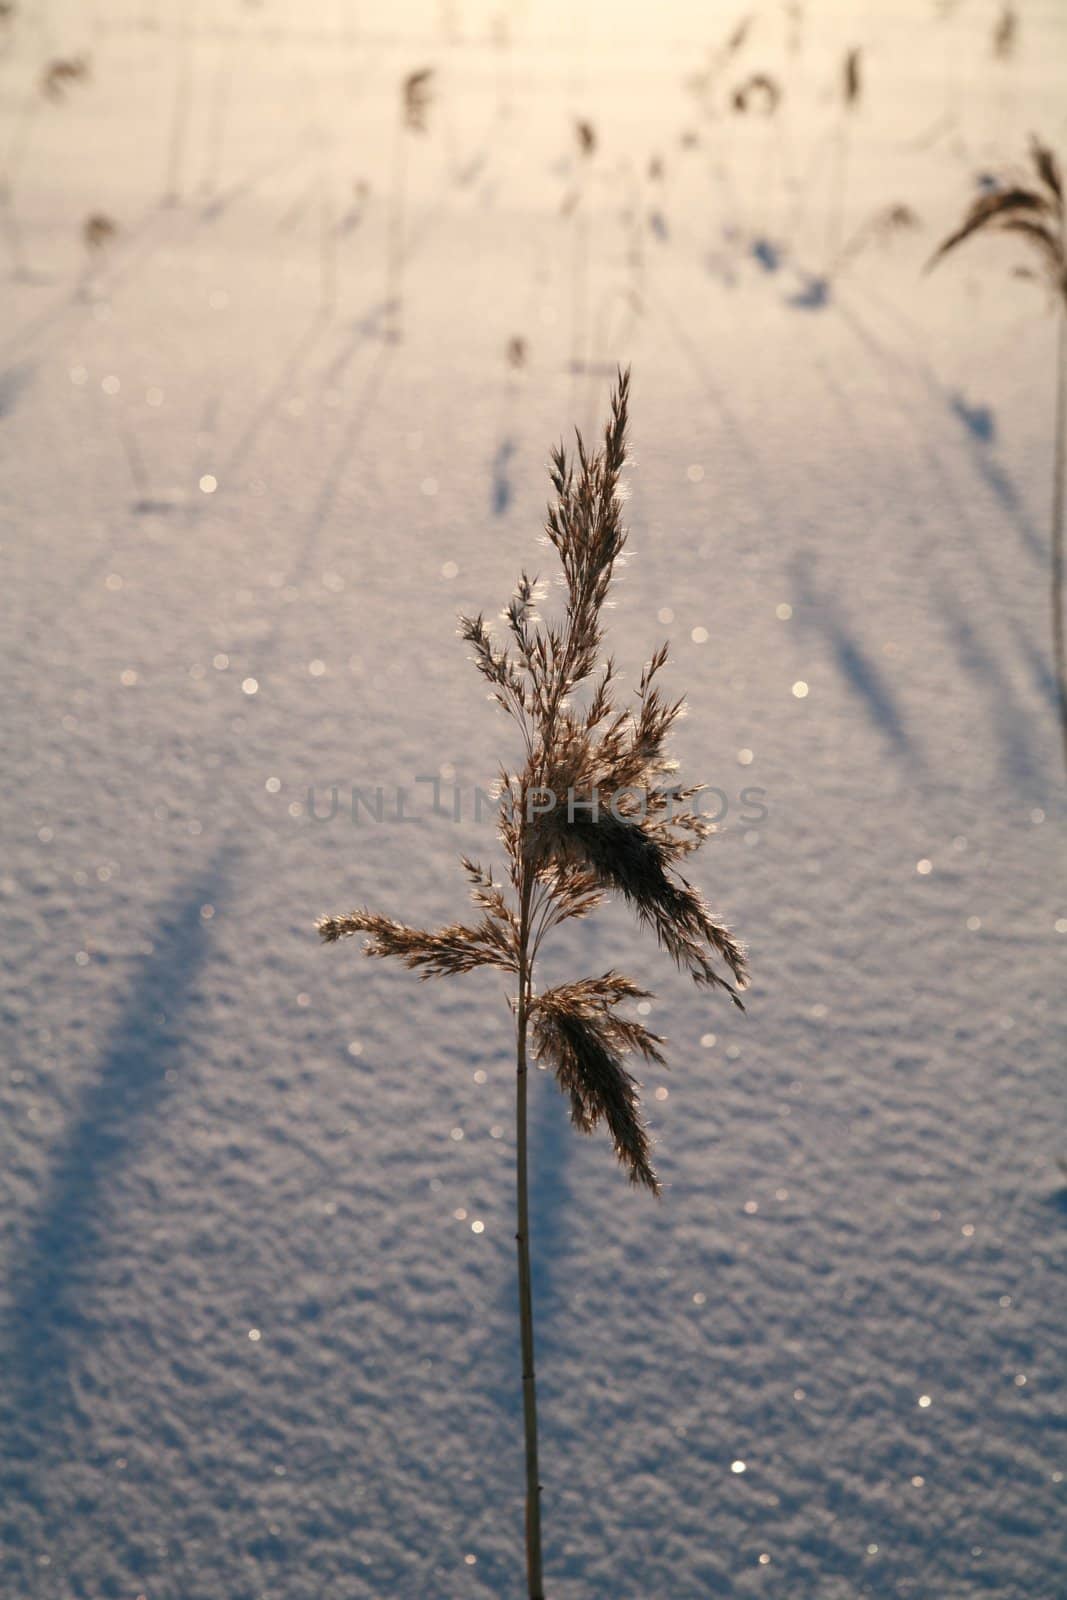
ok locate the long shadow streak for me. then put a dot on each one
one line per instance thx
(975, 425)
(1039, 666)
(855, 665)
(54, 1270)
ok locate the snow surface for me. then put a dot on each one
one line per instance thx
(255, 1346)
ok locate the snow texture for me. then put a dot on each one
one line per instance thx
(256, 1345)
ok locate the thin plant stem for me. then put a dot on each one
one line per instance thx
(179, 122)
(135, 462)
(13, 231)
(327, 246)
(605, 336)
(534, 1579)
(1039, 213)
(838, 181)
(394, 257)
(806, 183)
(221, 96)
(20, 136)
(16, 154)
(579, 293)
(1059, 471)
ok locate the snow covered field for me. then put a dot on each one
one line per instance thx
(258, 1309)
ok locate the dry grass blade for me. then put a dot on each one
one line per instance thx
(992, 210)
(1034, 214)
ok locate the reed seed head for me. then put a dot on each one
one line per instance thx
(1028, 208)
(595, 809)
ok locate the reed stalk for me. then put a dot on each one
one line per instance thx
(1031, 208)
(595, 809)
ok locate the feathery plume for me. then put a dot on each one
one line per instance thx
(577, 1031)
(417, 94)
(1030, 209)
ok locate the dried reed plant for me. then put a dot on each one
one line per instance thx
(327, 242)
(98, 230)
(1006, 33)
(850, 102)
(882, 226)
(220, 99)
(51, 84)
(794, 22)
(416, 98)
(705, 87)
(585, 134)
(759, 93)
(1004, 49)
(760, 96)
(635, 216)
(1030, 207)
(575, 205)
(705, 84)
(357, 205)
(58, 75)
(595, 810)
(500, 38)
(185, 20)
